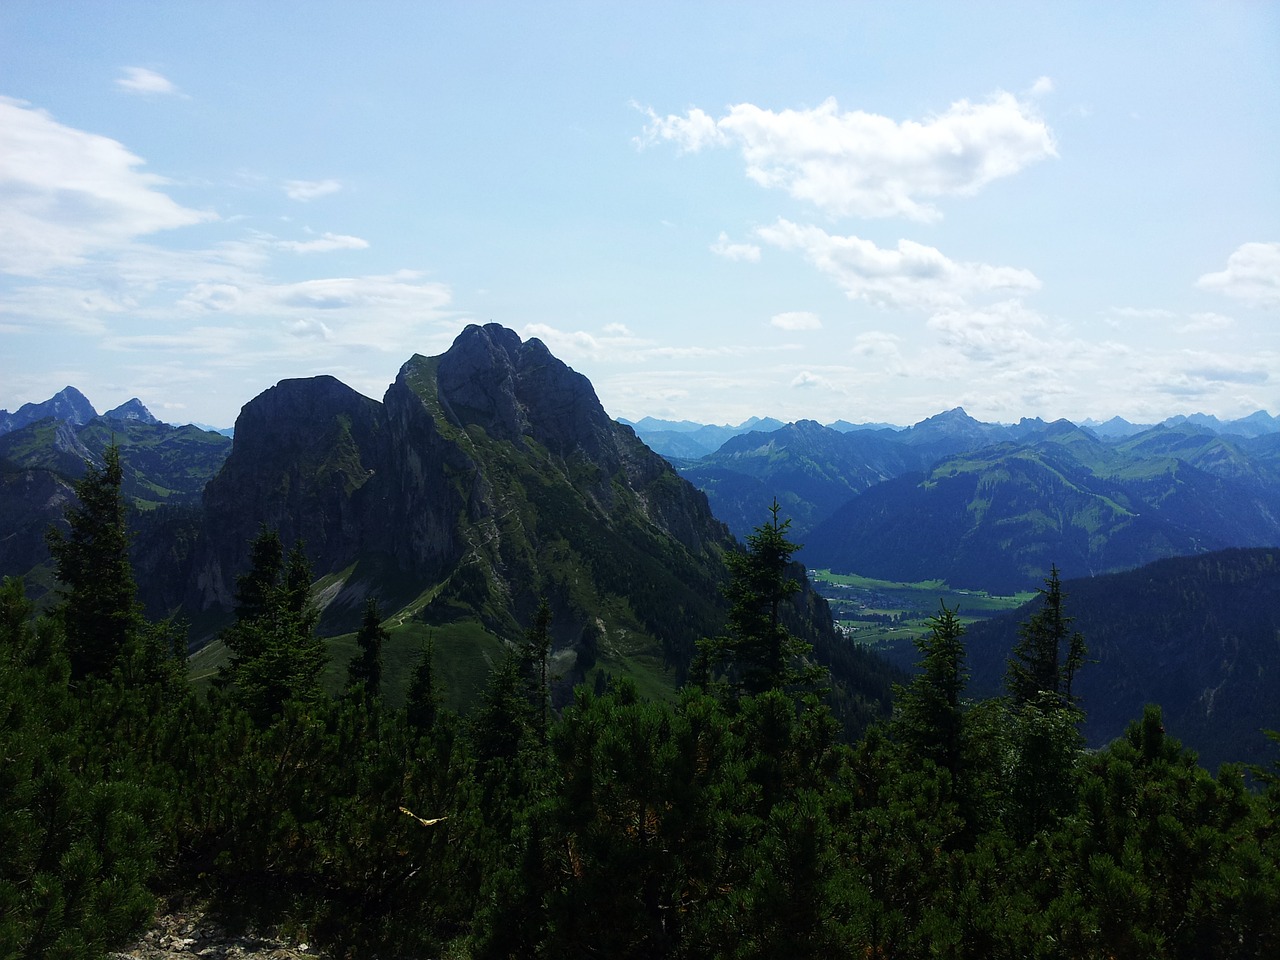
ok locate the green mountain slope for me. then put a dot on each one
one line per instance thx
(1198, 635)
(997, 518)
(487, 479)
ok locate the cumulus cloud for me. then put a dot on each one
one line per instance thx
(796, 320)
(1252, 275)
(913, 275)
(325, 243)
(866, 165)
(307, 190)
(1006, 330)
(68, 194)
(689, 133)
(735, 251)
(140, 80)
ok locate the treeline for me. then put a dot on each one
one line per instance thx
(735, 822)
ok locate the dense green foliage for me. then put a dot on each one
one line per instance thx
(1195, 634)
(734, 822)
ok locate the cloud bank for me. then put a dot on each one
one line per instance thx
(912, 275)
(67, 193)
(866, 165)
(1252, 275)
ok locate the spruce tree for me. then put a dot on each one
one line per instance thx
(537, 666)
(757, 651)
(365, 669)
(422, 706)
(276, 656)
(1039, 664)
(929, 719)
(99, 609)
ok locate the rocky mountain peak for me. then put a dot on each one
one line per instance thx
(131, 410)
(68, 405)
(513, 389)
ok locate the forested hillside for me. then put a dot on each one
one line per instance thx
(735, 821)
(1198, 635)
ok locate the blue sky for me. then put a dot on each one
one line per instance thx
(866, 211)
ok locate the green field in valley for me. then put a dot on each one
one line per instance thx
(873, 612)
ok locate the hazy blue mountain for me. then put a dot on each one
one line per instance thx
(686, 440)
(68, 404)
(844, 426)
(131, 410)
(809, 468)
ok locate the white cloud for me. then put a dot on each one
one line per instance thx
(1042, 86)
(140, 80)
(1002, 331)
(689, 133)
(867, 165)
(1252, 275)
(68, 194)
(913, 275)
(735, 251)
(326, 243)
(306, 190)
(796, 320)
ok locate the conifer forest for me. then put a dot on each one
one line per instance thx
(737, 819)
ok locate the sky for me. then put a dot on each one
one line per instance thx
(862, 211)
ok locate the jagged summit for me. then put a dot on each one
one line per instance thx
(68, 404)
(512, 389)
(133, 410)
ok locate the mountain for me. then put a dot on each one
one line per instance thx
(165, 470)
(686, 440)
(997, 517)
(131, 410)
(1198, 635)
(486, 479)
(811, 470)
(68, 405)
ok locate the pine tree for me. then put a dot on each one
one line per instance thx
(757, 651)
(1039, 664)
(537, 665)
(276, 656)
(99, 609)
(929, 719)
(422, 706)
(365, 669)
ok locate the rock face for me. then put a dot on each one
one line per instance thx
(131, 410)
(68, 404)
(488, 478)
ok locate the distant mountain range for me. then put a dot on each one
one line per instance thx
(990, 506)
(688, 439)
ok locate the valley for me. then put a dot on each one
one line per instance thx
(877, 613)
